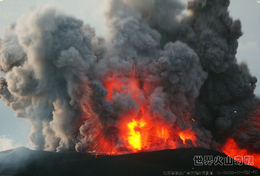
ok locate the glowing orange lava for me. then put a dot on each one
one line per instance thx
(231, 149)
(138, 129)
(134, 138)
(186, 135)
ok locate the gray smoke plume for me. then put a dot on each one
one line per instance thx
(46, 56)
(183, 62)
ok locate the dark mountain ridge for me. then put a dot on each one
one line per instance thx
(23, 161)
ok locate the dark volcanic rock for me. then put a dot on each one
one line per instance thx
(23, 161)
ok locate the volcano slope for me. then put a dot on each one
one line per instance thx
(23, 161)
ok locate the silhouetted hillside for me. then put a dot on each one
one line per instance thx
(23, 161)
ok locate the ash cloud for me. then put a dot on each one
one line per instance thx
(56, 68)
(46, 56)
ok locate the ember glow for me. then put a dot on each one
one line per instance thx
(138, 129)
(231, 149)
(135, 137)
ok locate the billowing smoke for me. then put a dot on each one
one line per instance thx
(171, 65)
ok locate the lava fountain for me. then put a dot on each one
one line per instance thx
(137, 128)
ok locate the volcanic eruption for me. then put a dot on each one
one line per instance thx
(166, 77)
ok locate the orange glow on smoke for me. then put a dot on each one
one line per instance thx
(138, 130)
(231, 149)
(186, 136)
(114, 85)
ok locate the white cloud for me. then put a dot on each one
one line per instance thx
(6, 144)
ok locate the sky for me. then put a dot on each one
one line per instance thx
(14, 131)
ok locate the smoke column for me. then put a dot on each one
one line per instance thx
(168, 67)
